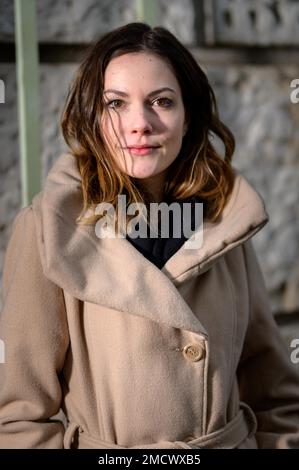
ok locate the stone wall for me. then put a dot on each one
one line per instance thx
(266, 22)
(254, 100)
(78, 22)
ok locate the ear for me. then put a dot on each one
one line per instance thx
(185, 128)
(186, 124)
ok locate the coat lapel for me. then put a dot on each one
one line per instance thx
(243, 216)
(111, 272)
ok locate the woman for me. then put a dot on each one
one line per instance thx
(142, 344)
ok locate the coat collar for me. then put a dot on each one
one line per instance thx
(111, 272)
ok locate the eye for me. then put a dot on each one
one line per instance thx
(114, 103)
(164, 102)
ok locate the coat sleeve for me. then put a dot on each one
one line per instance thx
(34, 330)
(268, 381)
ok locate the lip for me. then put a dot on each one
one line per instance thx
(142, 146)
(142, 149)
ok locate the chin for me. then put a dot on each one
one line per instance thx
(142, 175)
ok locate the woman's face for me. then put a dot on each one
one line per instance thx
(144, 115)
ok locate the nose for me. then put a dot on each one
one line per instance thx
(140, 121)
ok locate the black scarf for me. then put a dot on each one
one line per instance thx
(159, 250)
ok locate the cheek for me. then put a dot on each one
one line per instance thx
(111, 120)
(176, 126)
(108, 134)
(107, 126)
(176, 136)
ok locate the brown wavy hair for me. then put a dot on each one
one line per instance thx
(199, 170)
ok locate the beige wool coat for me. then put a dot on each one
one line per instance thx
(184, 357)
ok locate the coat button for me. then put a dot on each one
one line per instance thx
(194, 352)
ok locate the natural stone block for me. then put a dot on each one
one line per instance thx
(266, 22)
(77, 21)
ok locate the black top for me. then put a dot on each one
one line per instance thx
(159, 250)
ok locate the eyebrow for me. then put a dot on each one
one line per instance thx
(152, 93)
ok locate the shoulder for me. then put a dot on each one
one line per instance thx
(22, 257)
(22, 227)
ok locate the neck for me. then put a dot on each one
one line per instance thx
(154, 186)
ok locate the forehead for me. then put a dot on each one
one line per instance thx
(139, 67)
